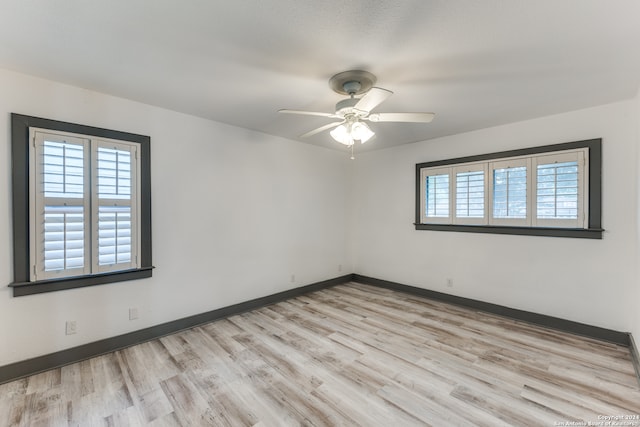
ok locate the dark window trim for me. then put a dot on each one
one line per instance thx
(594, 187)
(21, 285)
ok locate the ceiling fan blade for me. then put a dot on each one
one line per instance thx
(401, 117)
(320, 129)
(308, 113)
(374, 97)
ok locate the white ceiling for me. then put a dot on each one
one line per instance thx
(474, 63)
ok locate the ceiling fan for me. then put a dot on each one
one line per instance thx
(352, 113)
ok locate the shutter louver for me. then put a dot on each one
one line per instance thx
(114, 174)
(437, 196)
(470, 194)
(63, 238)
(510, 192)
(115, 188)
(63, 170)
(557, 191)
(114, 235)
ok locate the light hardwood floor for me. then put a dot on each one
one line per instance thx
(348, 355)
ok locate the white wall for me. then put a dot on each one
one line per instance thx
(235, 214)
(583, 280)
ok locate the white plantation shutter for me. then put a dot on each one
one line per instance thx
(64, 238)
(560, 193)
(509, 186)
(116, 201)
(435, 195)
(114, 235)
(540, 189)
(470, 194)
(60, 214)
(84, 199)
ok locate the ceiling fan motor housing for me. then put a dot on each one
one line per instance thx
(345, 107)
(352, 87)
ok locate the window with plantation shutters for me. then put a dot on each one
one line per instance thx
(510, 191)
(470, 193)
(560, 198)
(84, 216)
(115, 200)
(435, 195)
(81, 205)
(548, 191)
(61, 207)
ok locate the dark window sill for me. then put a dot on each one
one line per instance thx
(42, 286)
(580, 233)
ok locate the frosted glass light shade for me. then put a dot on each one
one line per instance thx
(342, 134)
(361, 132)
(348, 133)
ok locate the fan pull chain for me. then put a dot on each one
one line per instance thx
(352, 156)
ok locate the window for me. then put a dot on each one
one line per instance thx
(470, 199)
(436, 195)
(87, 205)
(552, 191)
(561, 197)
(115, 196)
(510, 190)
(78, 228)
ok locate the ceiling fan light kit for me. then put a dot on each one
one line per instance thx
(353, 111)
(348, 133)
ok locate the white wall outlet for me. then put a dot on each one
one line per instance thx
(339, 267)
(133, 313)
(293, 278)
(71, 327)
(450, 283)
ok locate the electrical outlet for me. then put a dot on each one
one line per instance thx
(133, 313)
(450, 283)
(339, 267)
(293, 278)
(71, 327)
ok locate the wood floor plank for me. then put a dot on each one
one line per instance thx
(343, 356)
(189, 405)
